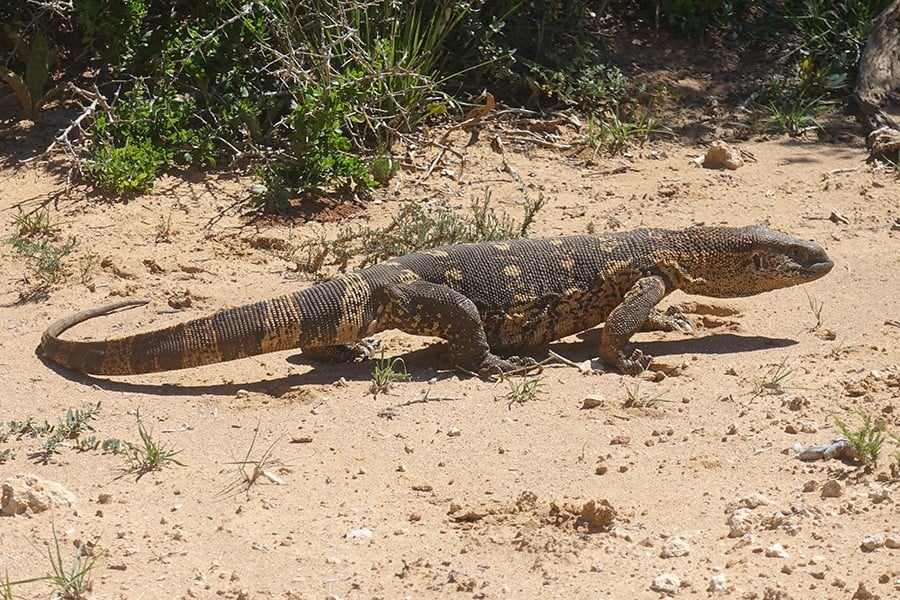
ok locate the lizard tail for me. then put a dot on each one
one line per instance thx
(230, 334)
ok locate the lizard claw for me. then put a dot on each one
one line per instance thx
(635, 364)
(678, 320)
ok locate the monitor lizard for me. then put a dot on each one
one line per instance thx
(488, 301)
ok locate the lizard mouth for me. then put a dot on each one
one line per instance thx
(821, 267)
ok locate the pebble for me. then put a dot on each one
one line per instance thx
(363, 533)
(832, 489)
(776, 551)
(740, 522)
(666, 583)
(674, 547)
(717, 583)
(892, 541)
(872, 542)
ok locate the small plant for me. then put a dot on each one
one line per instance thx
(637, 398)
(387, 372)
(841, 349)
(150, 454)
(774, 381)
(524, 389)
(866, 440)
(71, 582)
(35, 237)
(164, 230)
(611, 134)
(816, 307)
(261, 467)
(6, 456)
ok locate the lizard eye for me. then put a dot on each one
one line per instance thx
(758, 262)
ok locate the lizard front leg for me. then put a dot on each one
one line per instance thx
(425, 308)
(628, 317)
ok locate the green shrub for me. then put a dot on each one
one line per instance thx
(831, 40)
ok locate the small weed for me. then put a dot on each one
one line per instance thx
(797, 117)
(261, 467)
(387, 373)
(638, 398)
(35, 237)
(841, 349)
(112, 446)
(383, 168)
(150, 454)
(524, 389)
(774, 381)
(6, 456)
(611, 134)
(87, 444)
(77, 420)
(164, 230)
(866, 440)
(816, 307)
(72, 583)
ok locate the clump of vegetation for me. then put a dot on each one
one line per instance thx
(36, 238)
(775, 380)
(72, 581)
(387, 372)
(867, 439)
(413, 227)
(524, 389)
(149, 454)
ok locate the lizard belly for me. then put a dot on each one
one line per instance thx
(540, 321)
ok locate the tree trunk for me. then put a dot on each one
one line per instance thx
(877, 91)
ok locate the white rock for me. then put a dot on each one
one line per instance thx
(776, 551)
(24, 492)
(717, 583)
(892, 541)
(363, 533)
(872, 542)
(666, 583)
(719, 155)
(674, 547)
(740, 522)
(752, 500)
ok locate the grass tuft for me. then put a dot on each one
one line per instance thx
(149, 455)
(867, 439)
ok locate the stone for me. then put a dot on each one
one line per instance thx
(674, 547)
(831, 489)
(872, 542)
(666, 583)
(720, 155)
(717, 583)
(26, 492)
(740, 522)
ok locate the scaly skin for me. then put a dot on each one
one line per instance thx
(487, 300)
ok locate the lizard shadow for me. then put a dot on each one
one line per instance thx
(419, 363)
(716, 343)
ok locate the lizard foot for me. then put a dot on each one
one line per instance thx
(670, 320)
(492, 365)
(633, 365)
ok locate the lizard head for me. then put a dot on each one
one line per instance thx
(731, 262)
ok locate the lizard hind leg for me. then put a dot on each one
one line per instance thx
(425, 308)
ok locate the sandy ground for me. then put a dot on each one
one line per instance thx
(442, 486)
